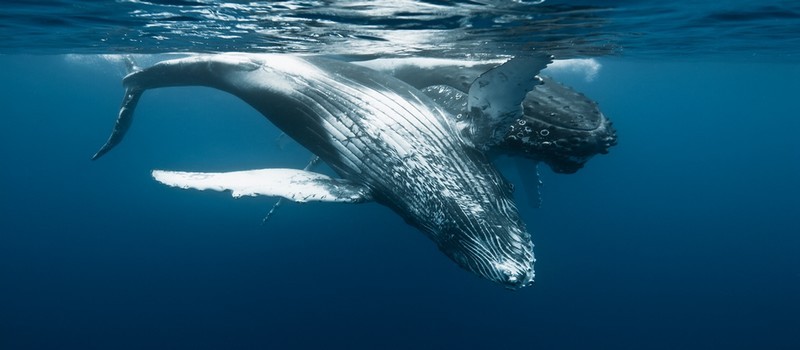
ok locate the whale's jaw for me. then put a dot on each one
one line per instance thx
(499, 250)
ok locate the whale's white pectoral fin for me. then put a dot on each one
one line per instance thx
(292, 184)
(495, 98)
(311, 164)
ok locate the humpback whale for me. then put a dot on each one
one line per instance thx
(386, 140)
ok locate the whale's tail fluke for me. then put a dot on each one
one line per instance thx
(130, 64)
(124, 120)
(129, 102)
(187, 71)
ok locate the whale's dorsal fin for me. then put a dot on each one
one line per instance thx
(292, 184)
(495, 98)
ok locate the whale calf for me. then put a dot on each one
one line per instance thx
(386, 140)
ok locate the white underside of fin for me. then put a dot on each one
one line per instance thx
(292, 184)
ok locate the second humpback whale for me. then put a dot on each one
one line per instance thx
(388, 142)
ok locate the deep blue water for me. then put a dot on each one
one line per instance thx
(684, 236)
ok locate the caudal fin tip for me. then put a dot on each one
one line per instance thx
(100, 153)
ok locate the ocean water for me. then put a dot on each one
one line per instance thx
(684, 236)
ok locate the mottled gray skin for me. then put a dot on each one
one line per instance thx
(559, 126)
(375, 130)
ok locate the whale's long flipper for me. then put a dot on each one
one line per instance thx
(292, 184)
(311, 164)
(495, 98)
